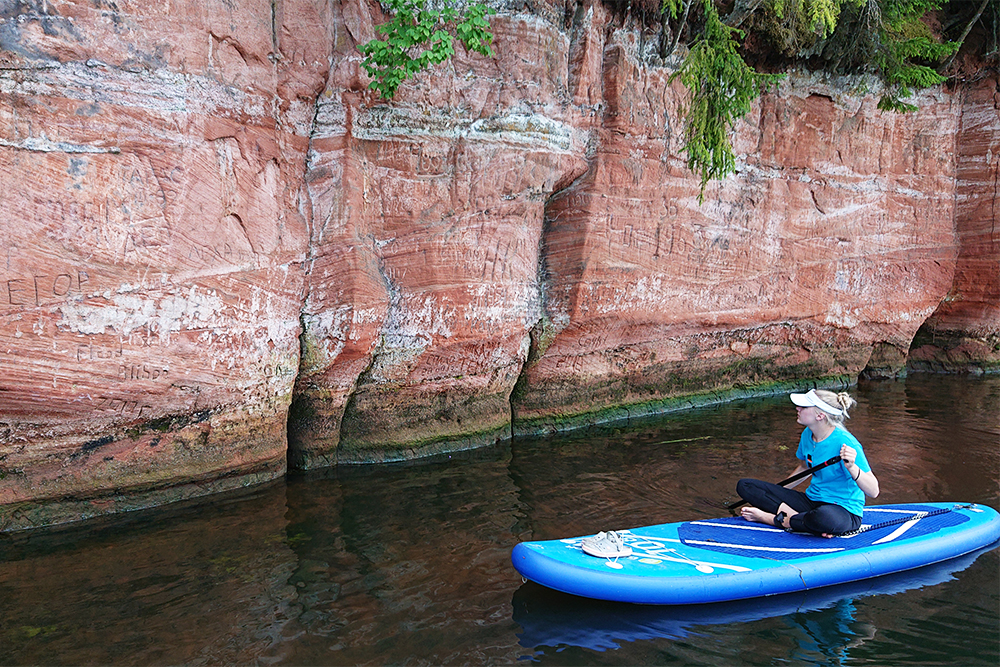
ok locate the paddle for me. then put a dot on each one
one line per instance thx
(793, 478)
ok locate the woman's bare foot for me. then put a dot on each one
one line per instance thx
(757, 516)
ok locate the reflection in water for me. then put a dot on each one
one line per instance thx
(830, 634)
(205, 588)
(411, 563)
(405, 563)
(822, 620)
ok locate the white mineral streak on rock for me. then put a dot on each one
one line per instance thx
(328, 332)
(380, 123)
(131, 312)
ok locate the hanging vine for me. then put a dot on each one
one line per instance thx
(722, 88)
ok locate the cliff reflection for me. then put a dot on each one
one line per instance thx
(404, 562)
(203, 584)
(347, 567)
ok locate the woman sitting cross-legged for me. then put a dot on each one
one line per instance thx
(835, 500)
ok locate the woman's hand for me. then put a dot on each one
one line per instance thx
(866, 481)
(848, 454)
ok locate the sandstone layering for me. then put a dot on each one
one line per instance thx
(222, 255)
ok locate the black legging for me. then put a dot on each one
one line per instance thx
(813, 517)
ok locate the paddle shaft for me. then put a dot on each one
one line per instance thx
(794, 478)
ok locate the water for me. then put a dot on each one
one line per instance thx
(410, 564)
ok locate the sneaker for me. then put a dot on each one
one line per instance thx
(593, 539)
(606, 545)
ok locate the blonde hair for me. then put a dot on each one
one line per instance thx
(841, 401)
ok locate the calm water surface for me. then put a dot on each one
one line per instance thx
(411, 564)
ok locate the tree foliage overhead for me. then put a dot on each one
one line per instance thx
(891, 39)
(817, 18)
(887, 38)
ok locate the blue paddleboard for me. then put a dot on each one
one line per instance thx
(719, 560)
(550, 618)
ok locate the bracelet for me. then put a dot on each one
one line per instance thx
(859, 474)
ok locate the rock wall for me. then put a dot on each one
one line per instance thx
(151, 156)
(216, 236)
(963, 334)
(422, 280)
(834, 240)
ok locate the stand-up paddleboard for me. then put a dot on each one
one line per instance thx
(720, 560)
(550, 618)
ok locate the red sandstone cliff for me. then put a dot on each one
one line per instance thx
(151, 261)
(215, 235)
(964, 331)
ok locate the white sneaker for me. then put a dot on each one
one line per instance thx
(606, 545)
(593, 539)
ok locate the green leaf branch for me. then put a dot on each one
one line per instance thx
(417, 37)
(906, 46)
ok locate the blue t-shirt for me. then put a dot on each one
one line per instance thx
(833, 484)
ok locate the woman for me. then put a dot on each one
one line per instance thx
(835, 499)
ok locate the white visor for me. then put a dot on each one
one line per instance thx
(811, 400)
